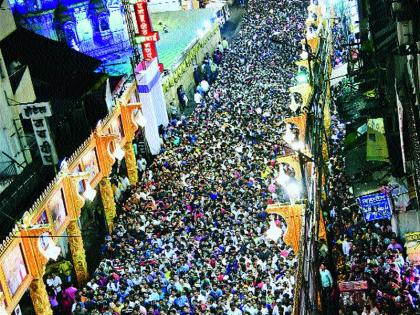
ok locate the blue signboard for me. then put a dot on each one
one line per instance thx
(375, 206)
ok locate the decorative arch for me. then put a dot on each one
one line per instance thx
(292, 214)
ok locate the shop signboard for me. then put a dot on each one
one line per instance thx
(37, 113)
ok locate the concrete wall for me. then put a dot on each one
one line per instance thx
(7, 22)
(187, 78)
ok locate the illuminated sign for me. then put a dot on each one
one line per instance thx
(153, 37)
(146, 36)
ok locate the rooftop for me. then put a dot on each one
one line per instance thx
(71, 79)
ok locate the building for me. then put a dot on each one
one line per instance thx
(40, 70)
(15, 86)
(94, 27)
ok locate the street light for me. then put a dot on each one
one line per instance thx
(274, 232)
(282, 178)
(293, 190)
(89, 193)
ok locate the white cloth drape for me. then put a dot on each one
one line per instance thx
(160, 104)
(151, 127)
(153, 104)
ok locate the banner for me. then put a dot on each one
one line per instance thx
(412, 245)
(348, 286)
(400, 125)
(375, 206)
(377, 149)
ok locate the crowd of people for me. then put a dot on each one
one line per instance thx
(191, 238)
(365, 251)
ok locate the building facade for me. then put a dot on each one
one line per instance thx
(15, 87)
(95, 27)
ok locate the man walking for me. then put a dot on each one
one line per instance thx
(326, 287)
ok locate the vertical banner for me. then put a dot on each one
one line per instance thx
(412, 245)
(400, 124)
(377, 149)
(146, 37)
(37, 113)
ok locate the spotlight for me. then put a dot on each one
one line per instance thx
(118, 153)
(139, 119)
(89, 192)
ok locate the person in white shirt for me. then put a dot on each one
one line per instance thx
(234, 310)
(346, 247)
(197, 97)
(54, 282)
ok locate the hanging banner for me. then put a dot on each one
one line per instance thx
(348, 286)
(412, 245)
(375, 206)
(377, 149)
(400, 125)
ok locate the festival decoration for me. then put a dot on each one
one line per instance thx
(77, 252)
(108, 201)
(130, 162)
(304, 90)
(292, 214)
(39, 296)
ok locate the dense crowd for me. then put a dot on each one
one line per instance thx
(366, 251)
(191, 238)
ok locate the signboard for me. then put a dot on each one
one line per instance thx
(348, 286)
(375, 206)
(37, 112)
(146, 36)
(412, 245)
(58, 209)
(14, 269)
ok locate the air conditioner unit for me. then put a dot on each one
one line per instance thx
(405, 32)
